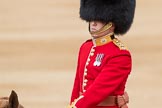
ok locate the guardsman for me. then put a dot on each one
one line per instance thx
(104, 62)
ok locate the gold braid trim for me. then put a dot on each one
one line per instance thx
(75, 101)
(119, 44)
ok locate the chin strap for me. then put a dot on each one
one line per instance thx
(102, 30)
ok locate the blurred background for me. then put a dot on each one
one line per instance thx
(39, 43)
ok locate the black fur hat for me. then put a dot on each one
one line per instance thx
(120, 12)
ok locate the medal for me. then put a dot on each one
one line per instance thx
(98, 60)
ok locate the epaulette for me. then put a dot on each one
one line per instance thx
(119, 44)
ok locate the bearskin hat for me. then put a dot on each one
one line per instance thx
(120, 12)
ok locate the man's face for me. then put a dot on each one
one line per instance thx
(96, 25)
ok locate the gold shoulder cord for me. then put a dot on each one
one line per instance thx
(119, 44)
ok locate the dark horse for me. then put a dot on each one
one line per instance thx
(10, 102)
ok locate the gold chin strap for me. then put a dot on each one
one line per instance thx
(103, 29)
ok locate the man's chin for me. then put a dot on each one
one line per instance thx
(95, 36)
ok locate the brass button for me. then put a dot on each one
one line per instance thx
(87, 64)
(85, 80)
(89, 60)
(84, 84)
(85, 73)
(93, 50)
(122, 45)
(117, 41)
(91, 54)
(103, 40)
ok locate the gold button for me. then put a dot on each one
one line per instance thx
(93, 50)
(89, 60)
(117, 41)
(85, 70)
(84, 84)
(103, 40)
(123, 48)
(87, 64)
(85, 73)
(85, 80)
(119, 44)
(122, 45)
(91, 54)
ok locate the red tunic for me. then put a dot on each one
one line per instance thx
(102, 71)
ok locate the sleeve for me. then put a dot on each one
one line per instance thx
(76, 86)
(115, 71)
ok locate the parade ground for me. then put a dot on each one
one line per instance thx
(39, 44)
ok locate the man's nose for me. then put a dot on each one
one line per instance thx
(94, 23)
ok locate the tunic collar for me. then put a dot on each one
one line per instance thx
(102, 40)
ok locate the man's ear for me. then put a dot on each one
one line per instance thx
(13, 100)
